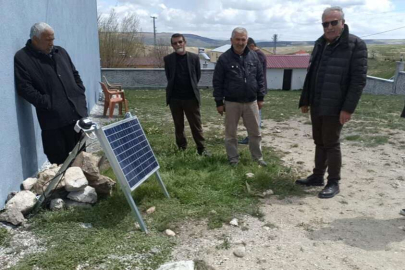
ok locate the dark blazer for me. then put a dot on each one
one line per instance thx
(341, 75)
(194, 68)
(53, 86)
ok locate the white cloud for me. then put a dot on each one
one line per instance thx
(291, 19)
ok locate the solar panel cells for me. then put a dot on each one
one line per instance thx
(132, 150)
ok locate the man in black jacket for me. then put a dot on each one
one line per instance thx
(335, 80)
(238, 79)
(183, 73)
(263, 60)
(46, 77)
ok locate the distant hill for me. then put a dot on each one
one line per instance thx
(199, 41)
(192, 40)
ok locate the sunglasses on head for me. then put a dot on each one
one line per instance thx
(333, 23)
(178, 42)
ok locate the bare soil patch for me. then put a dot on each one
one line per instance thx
(358, 229)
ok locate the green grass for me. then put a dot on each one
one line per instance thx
(4, 236)
(381, 68)
(197, 185)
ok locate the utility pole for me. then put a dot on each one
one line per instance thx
(275, 43)
(154, 29)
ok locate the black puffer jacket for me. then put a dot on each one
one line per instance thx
(238, 78)
(52, 85)
(341, 76)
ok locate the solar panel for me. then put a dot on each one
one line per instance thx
(132, 150)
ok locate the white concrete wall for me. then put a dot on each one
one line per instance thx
(75, 25)
(274, 78)
(298, 78)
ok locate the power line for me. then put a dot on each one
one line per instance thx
(384, 32)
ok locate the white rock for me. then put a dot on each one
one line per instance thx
(88, 195)
(12, 216)
(169, 232)
(86, 225)
(240, 252)
(268, 192)
(234, 222)
(71, 204)
(151, 210)
(250, 175)
(181, 265)
(57, 204)
(89, 164)
(23, 201)
(103, 185)
(29, 183)
(44, 178)
(75, 179)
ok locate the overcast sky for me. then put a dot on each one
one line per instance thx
(291, 19)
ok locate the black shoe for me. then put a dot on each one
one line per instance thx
(311, 180)
(244, 141)
(329, 191)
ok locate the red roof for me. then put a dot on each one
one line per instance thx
(300, 52)
(287, 61)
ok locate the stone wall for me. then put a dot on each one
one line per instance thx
(400, 84)
(378, 86)
(148, 78)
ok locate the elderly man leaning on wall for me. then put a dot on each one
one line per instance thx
(335, 80)
(46, 77)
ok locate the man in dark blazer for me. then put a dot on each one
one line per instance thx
(183, 72)
(46, 77)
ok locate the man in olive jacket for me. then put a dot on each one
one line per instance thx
(46, 77)
(183, 72)
(336, 77)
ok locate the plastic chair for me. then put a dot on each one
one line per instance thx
(112, 97)
(112, 86)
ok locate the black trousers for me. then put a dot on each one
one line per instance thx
(191, 109)
(326, 134)
(58, 143)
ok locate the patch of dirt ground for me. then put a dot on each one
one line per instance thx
(360, 228)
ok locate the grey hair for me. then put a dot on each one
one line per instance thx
(239, 30)
(38, 28)
(331, 9)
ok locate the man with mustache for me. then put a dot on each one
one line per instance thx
(183, 72)
(46, 77)
(239, 92)
(335, 80)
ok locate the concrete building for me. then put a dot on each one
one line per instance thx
(286, 72)
(214, 54)
(75, 25)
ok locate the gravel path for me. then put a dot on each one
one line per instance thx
(358, 229)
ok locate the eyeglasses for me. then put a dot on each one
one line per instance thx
(333, 23)
(178, 42)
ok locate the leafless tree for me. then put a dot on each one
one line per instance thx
(159, 51)
(119, 39)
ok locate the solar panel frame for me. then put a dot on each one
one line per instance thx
(123, 162)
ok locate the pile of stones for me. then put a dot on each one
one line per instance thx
(81, 186)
